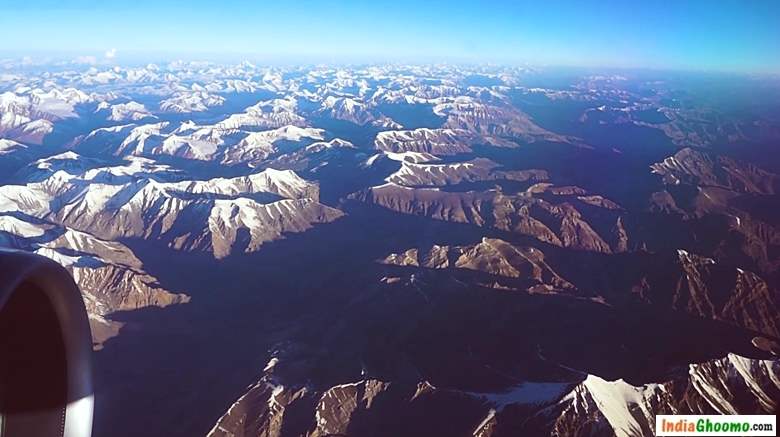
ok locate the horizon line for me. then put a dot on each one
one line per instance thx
(95, 58)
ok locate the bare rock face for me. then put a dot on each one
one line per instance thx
(552, 219)
(255, 147)
(492, 256)
(706, 169)
(348, 109)
(701, 286)
(590, 406)
(263, 411)
(365, 407)
(28, 115)
(284, 183)
(191, 101)
(340, 404)
(130, 111)
(433, 141)
(426, 174)
(625, 410)
(268, 114)
(496, 121)
(233, 141)
(188, 215)
(109, 275)
(262, 222)
(120, 284)
(704, 187)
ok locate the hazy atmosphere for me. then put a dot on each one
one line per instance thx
(393, 219)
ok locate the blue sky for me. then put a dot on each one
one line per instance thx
(685, 34)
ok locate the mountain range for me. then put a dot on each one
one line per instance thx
(404, 249)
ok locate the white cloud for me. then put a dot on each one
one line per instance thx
(89, 60)
(110, 54)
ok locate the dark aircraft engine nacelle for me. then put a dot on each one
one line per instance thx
(45, 350)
